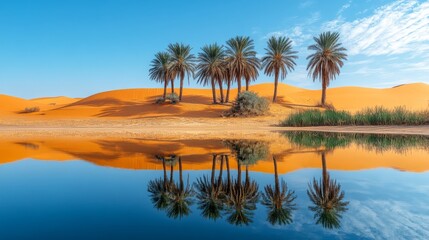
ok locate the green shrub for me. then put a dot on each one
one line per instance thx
(248, 104)
(369, 116)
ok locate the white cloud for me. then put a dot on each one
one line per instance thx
(344, 7)
(300, 33)
(402, 26)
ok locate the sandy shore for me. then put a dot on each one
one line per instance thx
(182, 128)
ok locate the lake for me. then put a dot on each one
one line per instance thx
(294, 185)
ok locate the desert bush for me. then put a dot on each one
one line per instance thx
(173, 98)
(369, 116)
(248, 104)
(159, 100)
(31, 109)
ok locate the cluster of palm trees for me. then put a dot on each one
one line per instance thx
(217, 196)
(218, 65)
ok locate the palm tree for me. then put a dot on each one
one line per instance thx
(327, 198)
(182, 62)
(242, 59)
(279, 59)
(210, 67)
(180, 197)
(325, 63)
(160, 69)
(278, 200)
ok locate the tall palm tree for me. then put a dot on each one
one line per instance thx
(242, 59)
(326, 62)
(279, 59)
(160, 69)
(327, 198)
(182, 62)
(210, 67)
(278, 200)
(180, 197)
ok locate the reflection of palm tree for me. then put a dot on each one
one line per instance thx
(278, 200)
(327, 197)
(159, 189)
(210, 193)
(241, 199)
(180, 197)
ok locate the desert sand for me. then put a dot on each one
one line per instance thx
(134, 110)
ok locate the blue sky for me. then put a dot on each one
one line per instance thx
(80, 47)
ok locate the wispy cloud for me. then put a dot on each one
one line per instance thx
(299, 33)
(402, 26)
(305, 4)
(344, 7)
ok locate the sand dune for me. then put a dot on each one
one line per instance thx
(196, 105)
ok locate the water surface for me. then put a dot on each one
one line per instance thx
(295, 185)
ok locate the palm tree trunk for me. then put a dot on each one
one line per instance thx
(214, 91)
(276, 83)
(213, 169)
(247, 84)
(182, 77)
(165, 88)
(221, 90)
(324, 82)
(228, 87)
(238, 84)
(172, 85)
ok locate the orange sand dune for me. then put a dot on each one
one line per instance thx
(198, 154)
(139, 103)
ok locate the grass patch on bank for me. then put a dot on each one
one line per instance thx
(369, 116)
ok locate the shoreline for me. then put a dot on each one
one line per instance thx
(198, 131)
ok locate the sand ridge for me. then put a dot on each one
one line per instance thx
(136, 106)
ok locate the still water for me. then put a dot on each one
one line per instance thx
(291, 186)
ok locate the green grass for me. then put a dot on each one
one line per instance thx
(370, 116)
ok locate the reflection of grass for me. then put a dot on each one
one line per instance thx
(368, 141)
(369, 116)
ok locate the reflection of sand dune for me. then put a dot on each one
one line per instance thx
(132, 103)
(197, 154)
